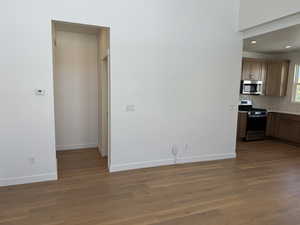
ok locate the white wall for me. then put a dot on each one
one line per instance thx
(76, 90)
(256, 12)
(177, 61)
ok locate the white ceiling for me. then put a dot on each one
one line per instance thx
(275, 42)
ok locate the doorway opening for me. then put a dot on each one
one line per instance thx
(269, 109)
(81, 74)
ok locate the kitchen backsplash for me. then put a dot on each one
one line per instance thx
(265, 102)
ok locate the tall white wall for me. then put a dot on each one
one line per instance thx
(76, 90)
(256, 12)
(177, 61)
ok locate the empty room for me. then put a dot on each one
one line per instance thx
(149, 112)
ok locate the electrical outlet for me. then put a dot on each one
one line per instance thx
(174, 150)
(130, 108)
(186, 147)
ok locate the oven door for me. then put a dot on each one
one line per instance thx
(256, 122)
(256, 127)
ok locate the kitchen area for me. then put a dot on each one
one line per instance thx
(269, 104)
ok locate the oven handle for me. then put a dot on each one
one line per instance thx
(257, 116)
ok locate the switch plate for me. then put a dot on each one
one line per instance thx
(232, 107)
(130, 108)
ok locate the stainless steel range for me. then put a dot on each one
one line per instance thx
(256, 121)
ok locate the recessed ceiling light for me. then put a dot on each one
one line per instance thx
(288, 46)
(253, 42)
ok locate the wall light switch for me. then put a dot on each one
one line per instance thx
(232, 107)
(130, 108)
(41, 92)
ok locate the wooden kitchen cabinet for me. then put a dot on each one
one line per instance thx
(253, 69)
(270, 129)
(276, 78)
(242, 125)
(288, 128)
(284, 126)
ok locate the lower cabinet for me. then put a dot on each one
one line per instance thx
(242, 125)
(284, 126)
(271, 124)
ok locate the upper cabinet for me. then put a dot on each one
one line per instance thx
(253, 69)
(276, 79)
(273, 74)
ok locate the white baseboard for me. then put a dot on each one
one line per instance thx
(28, 179)
(206, 158)
(140, 165)
(75, 147)
(148, 164)
(120, 167)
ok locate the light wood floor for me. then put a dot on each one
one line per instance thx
(260, 187)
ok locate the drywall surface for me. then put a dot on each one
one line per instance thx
(257, 12)
(176, 61)
(76, 91)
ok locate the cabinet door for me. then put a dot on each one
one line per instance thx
(242, 124)
(271, 125)
(277, 76)
(288, 128)
(253, 69)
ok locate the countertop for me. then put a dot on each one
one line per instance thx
(285, 112)
(277, 111)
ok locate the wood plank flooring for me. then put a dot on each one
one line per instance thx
(260, 187)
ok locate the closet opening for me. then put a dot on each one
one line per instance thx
(81, 75)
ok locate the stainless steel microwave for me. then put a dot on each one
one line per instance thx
(251, 87)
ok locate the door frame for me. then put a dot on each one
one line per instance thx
(53, 44)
